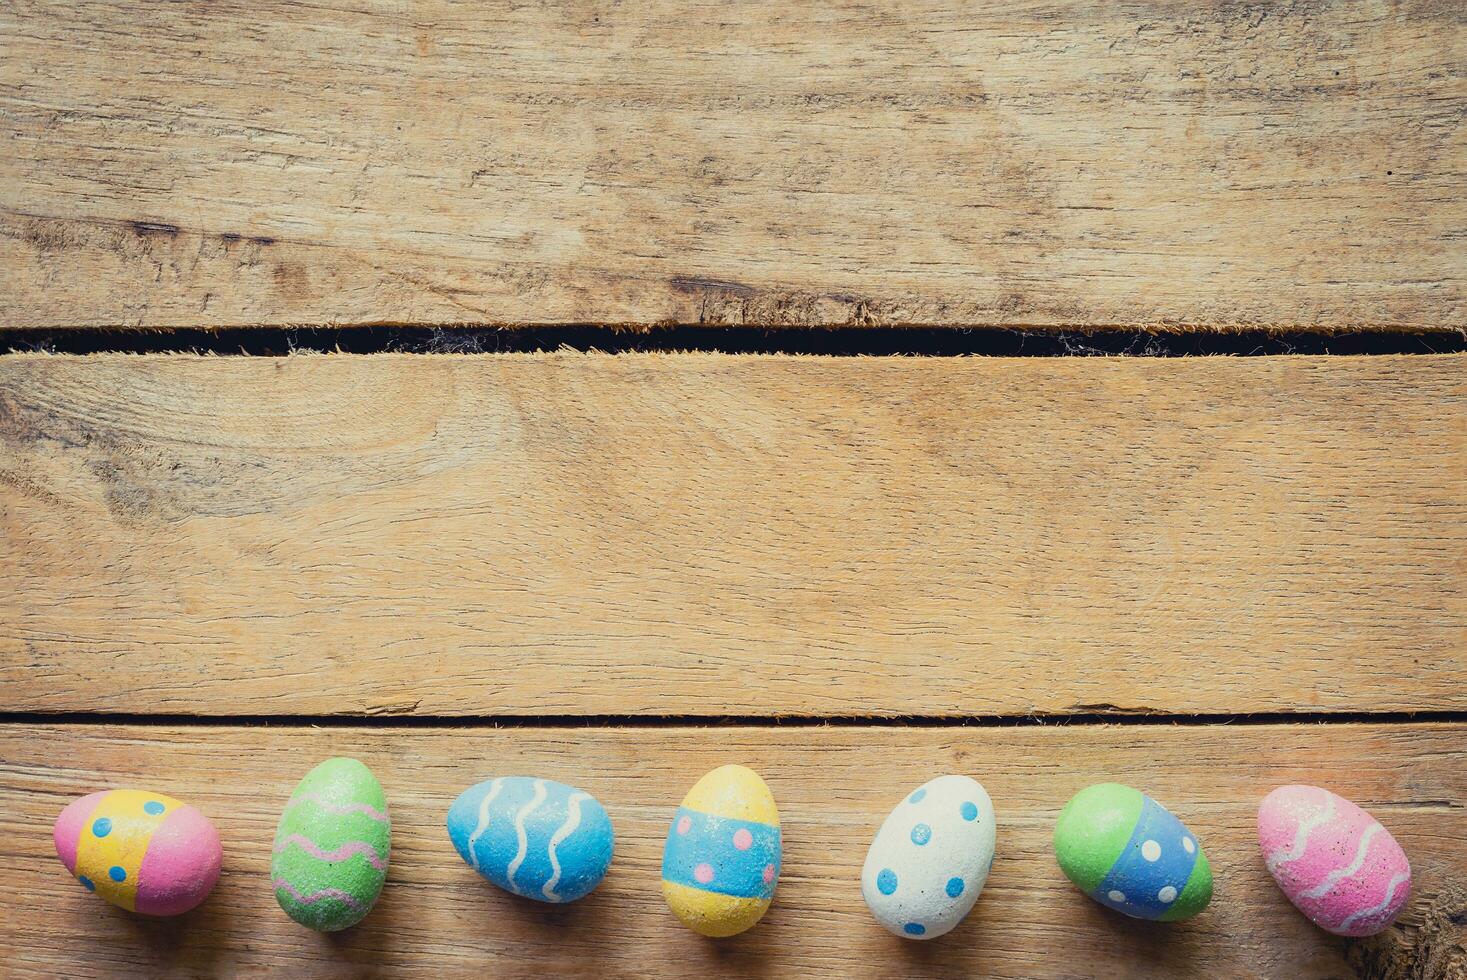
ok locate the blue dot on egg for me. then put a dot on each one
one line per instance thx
(87, 883)
(969, 810)
(914, 928)
(886, 881)
(152, 808)
(954, 887)
(921, 834)
(116, 873)
(101, 827)
(917, 796)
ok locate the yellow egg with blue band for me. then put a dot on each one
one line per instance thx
(722, 857)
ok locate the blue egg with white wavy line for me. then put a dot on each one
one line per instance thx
(535, 838)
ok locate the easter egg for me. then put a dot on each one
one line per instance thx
(533, 837)
(1333, 860)
(721, 860)
(140, 850)
(930, 858)
(1128, 852)
(332, 846)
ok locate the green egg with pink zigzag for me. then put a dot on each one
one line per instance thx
(332, 846)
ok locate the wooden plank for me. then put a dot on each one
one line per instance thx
(1032, 162)
(711, 535)
(833, 785)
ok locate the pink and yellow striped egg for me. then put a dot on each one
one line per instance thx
(1334, 861)
(139, 850)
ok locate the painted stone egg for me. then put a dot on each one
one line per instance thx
(1128, 852)
(535, 838)
(140, 850)
(930, 858)
(1333, 860)
(721, 860)
(332, 846)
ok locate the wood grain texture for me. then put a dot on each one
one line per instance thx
(713, 535)
(1031, 162)
(833, 786)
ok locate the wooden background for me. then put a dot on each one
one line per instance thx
(1205, 576)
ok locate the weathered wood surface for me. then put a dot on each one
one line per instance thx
(1027, 163)
(710, 535)
(834, 786)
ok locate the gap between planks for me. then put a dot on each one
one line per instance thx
(471, 722)
(989, 340)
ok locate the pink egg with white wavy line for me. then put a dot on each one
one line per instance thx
(1334, 861)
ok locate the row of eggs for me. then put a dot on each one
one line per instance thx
(546, 841)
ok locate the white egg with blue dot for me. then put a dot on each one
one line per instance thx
(931, 858)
